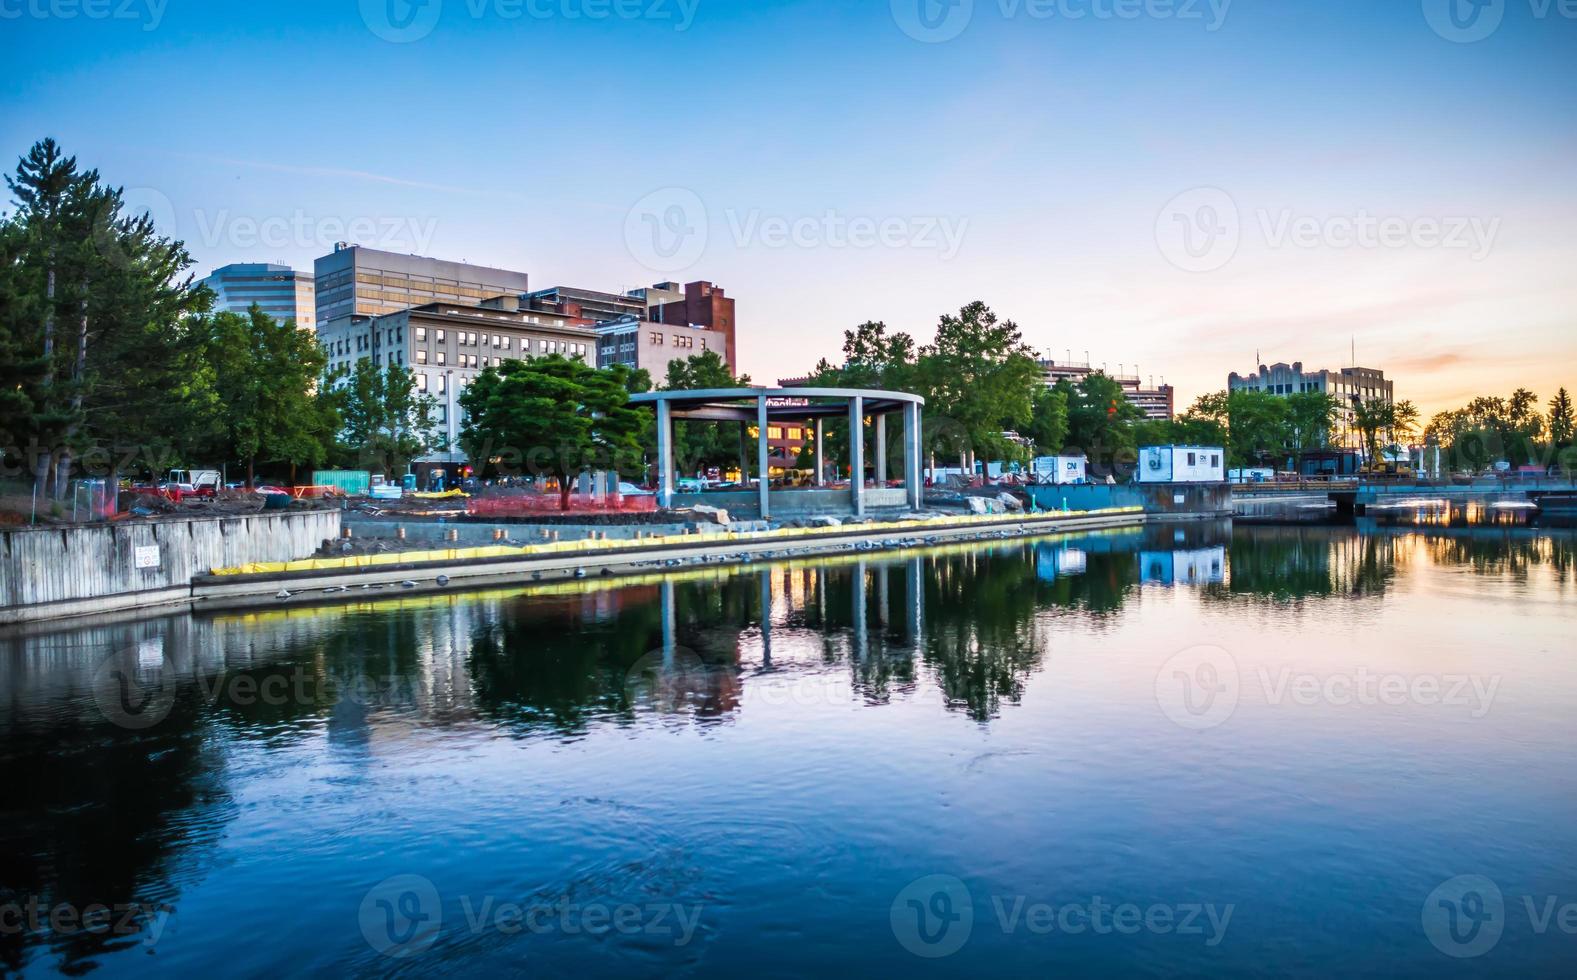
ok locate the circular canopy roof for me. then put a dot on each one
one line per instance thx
(787, 404)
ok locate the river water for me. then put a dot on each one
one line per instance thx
(1195, 749)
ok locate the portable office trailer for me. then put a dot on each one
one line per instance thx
(1182, 464)
(1058, 470)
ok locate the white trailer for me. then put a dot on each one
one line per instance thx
(1060, 470)
(1182, 464)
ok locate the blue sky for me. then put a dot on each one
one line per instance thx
(1061, 160)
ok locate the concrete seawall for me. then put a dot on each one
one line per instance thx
(58, 572)
(450, 571)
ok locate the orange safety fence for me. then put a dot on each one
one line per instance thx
(528, 504)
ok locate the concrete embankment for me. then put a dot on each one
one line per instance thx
(90, 569)
(270, 584)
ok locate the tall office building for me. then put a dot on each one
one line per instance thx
(357, 281)
(283, 293)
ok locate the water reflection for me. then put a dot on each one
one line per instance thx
(125, 744)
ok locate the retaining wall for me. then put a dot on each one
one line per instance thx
(48, 573)
(1158, 499)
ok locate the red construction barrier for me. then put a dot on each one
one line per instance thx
(529, 504)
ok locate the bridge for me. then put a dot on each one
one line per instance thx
(1357, 497)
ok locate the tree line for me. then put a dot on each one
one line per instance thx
(114, 364)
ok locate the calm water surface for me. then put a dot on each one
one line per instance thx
(1206, 750)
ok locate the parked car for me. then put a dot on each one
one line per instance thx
(631, 490)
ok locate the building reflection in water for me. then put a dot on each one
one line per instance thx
(139, 725)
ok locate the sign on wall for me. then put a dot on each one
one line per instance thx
(146, 556)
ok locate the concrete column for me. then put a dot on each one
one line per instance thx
(881, 449)
(670, 631)
(821, 460)
(665, 455)
(860, 637)
(857, 453)
(763, 452)
(914, 483)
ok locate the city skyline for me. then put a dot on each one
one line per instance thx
(1167, 191)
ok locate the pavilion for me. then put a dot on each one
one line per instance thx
(765, 407)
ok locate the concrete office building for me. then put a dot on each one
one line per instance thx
(653, 346)
(446, 345)
(282, 292)
(704, 305)
(357, 281)
(1156, 401)
(1349, 386)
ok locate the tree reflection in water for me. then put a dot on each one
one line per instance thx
(101, 813)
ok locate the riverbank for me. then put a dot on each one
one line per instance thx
(417, 572)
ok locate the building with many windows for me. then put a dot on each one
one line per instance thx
(1350, 387)
(282, 292)
(357, 281)
(643, 344)
(1156, 401)
(699, 305)
(446, 345)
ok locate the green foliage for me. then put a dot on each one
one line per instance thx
(701, 445)
(94, 326)
(1383, 425)
(385, 422)
(979, 379)
(1101, 419)
(1258, 426)
(553, 416)
(262, 373)
(1048, 427)
(1489, 429)
(1561, 425)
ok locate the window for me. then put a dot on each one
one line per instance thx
(506, 342)
(1215, 459)
(421, 357)
(1190, 459)
(657, 338)
(443, 383)
(442, 358)
(421, 381)
(440, 340)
